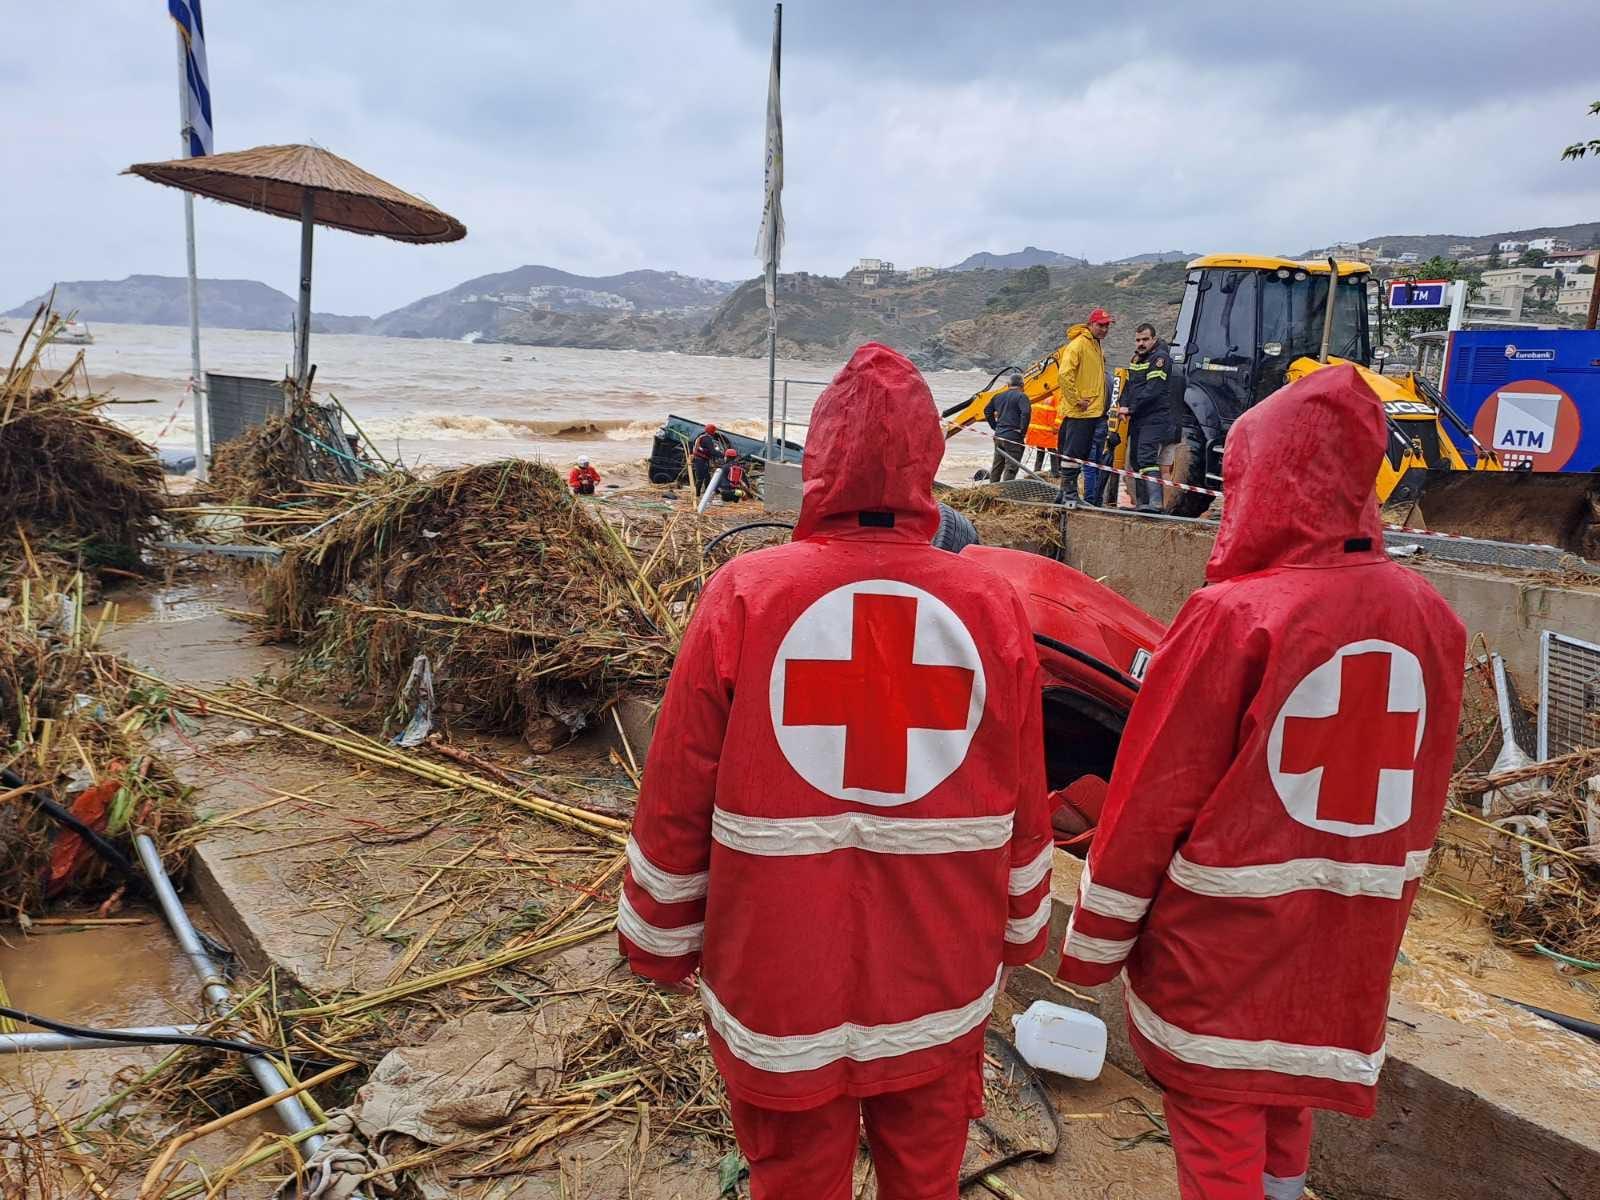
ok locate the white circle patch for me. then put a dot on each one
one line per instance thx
(876, 692)
(1343, 748)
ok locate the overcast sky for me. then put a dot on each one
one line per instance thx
(606, 137)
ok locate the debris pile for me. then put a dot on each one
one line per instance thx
(84, 490)
(1002, 521)
(533, 613)
(274, 462)
(72, 722)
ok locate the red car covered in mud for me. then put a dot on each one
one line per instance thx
(1093, 648)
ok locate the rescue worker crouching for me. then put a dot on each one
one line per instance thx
(1275, 797)
(583, 477)
(842, 823)
(733, 487)
(1148, 402)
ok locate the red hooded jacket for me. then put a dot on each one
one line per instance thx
(1281, 778)
(842, 822)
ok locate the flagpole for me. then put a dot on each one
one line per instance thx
(772, 257)
(197, 386)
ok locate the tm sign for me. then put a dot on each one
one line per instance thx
(1419, 293)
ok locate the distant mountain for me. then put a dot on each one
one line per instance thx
(1028, 256)
(1158, 256)
(164, 300)
(509, 303)
(1582, 236)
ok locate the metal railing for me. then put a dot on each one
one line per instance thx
(782, 421)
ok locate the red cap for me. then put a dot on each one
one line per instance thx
(710, 428)
(730, 453)
(1100, 317)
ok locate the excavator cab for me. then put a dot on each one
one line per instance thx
(1243, 323)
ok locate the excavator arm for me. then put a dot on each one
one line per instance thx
(1038, 383)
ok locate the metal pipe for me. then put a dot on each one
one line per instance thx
(1327, 311)
(25, 1043)
(302, 323)
(214, 989)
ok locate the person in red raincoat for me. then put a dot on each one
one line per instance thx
(1276, 793)
(842, 823)
(583, 477)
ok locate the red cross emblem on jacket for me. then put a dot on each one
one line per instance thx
(876, 692)
(1342, 750)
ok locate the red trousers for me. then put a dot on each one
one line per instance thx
(1230, 1151)
(917, 1138)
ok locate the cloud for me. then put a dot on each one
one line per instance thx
(601, 138)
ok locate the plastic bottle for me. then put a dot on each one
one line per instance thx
(1067, 1041)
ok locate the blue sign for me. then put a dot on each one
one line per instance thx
(1419, 293)
(1533, 395)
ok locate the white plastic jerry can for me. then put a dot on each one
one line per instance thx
(1068, 1041)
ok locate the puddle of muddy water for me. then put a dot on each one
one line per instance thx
(103, 976)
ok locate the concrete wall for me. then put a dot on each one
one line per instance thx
(1156, 564)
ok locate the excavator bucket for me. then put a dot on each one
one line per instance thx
(1546, 508)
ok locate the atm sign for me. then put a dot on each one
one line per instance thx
(1419, 293)
(1530, 423)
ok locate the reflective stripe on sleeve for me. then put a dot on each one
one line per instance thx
(1238, 1054)
(783, 836)
(1279, 1187)
(1025, 878)
(1092, 949)
(667, 943)
(664, 887)
(1108, 902)
(1022, 930)
(786, 1054)
(1298, 875)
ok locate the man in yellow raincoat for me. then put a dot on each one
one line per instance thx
(1082, 376)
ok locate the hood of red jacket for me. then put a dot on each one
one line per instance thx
(873, 447)
(1299, 476)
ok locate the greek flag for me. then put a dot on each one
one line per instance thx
(769, 242)
(197, 98)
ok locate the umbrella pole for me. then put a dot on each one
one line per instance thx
(302, 328)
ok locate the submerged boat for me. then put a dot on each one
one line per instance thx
(74, 333)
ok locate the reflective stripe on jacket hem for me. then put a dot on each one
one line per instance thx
(1108, 902)
(1279, 1187)
(667, 943)
(785, 1054)
(664, 887)
(1022, 930)
(1025, 878)
(781, 836)
(1298, 875)
(1092, 949)
(1238, 1054)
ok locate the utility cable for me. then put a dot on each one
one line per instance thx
(152, 1039)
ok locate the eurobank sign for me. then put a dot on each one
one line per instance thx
(1533, 395)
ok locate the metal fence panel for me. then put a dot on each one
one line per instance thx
(237, 403)
(1569, 694)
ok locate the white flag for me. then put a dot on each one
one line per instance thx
(769, 243)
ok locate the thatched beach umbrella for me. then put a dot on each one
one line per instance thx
(317, 188)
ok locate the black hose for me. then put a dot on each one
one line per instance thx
(1588, 1029)
(113, 857)
(727, 533)
(1087, 660)
(61, 816)
(149, 1039)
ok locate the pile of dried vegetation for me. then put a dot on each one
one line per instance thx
(72, 737)
(534, 612)
(1001, 521)
(80, 487)
(274, 462)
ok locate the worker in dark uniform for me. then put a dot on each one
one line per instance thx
(1152, 429)
(1008, 414)
(706, 455)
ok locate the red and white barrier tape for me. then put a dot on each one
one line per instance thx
(1187, 487)
(188, 390)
